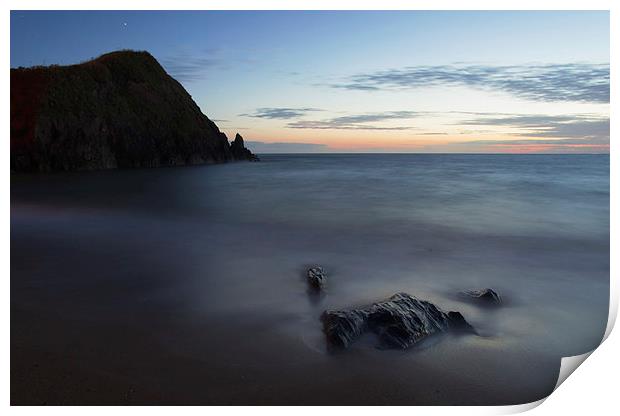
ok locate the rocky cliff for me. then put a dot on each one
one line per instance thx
(120, 110)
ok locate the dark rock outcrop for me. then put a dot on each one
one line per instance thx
(239, 152)
(488, 296)
(399, 322)
(120, 110)
(316, 277)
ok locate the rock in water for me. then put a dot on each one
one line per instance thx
(239, 152)
(399, 322)
(120, 110)
(485, 295)
(316, 277)
(343, 327)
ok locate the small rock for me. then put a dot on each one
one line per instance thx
(485, 295)
(317, 277)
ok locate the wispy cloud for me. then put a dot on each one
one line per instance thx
(579, 82)
(280, 113)
(189, 66)
(357, 122)
(185, 67)
(582, 126)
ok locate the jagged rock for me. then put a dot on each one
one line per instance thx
(316, 277)
(239, 152)
(484, 295)
(399, 322)
(120, 110)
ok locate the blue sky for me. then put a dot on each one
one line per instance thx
(363, 81)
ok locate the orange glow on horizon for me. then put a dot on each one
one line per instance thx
(404, 141)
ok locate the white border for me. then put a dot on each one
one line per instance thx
(591, 390)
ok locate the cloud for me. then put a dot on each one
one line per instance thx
(285, 147)
(582, 126)
(579, 82)
(566, 133)
(279, 113)
(188, 68)
(357, 122)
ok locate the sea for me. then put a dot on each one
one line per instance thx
(187, 285)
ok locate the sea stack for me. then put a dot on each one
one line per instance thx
(120, 110)
(239, 152)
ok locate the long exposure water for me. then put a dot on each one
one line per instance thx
(186, 285)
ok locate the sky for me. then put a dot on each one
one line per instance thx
(366, 81)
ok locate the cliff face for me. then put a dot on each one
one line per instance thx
(119, 110)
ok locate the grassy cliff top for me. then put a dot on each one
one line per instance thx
(106, 58)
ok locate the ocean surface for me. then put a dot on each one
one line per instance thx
(186, 285)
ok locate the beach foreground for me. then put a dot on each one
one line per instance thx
(186, 285)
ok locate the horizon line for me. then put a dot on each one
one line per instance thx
(432, 153)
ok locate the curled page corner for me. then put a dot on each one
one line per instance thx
(613, 310)
(519, 408)
(568, 365)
